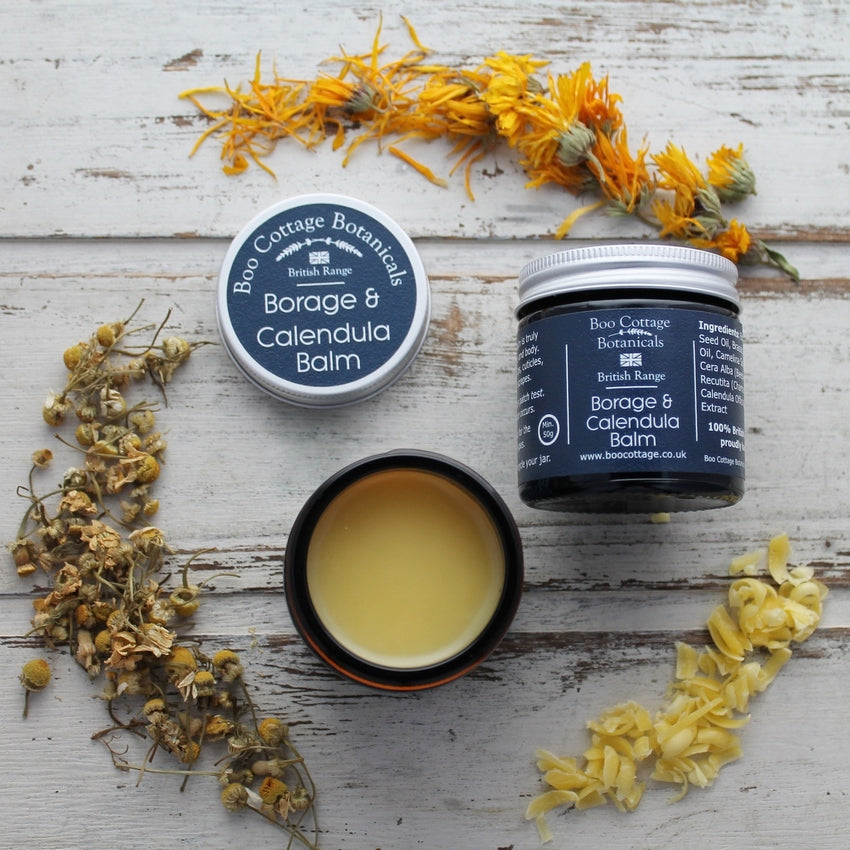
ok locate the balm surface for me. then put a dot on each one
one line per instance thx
(405, 568)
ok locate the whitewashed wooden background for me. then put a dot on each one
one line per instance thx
(101, 206)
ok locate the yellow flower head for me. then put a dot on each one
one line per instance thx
(35, 674)
(695, 212)
(678, 172)
(511, 94)
(521, 67)
(624, 179)
(730, 174)
(228, 665)
(580, 97)
(449, 104)
(335, 93)
(271, 790)
(733, 242)
(234, 797)
(677, 219)
(559, 131)
(272, 731)
(511, 80)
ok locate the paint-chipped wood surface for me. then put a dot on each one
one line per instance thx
(101, 206)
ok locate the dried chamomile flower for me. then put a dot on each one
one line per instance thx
(145, 468)
(25, 554)
(179, 662)
(149, 540)
(103, 642)
(42, 457)
(176, 349)
(113, 405)
(73, 356)
(272, 731)
(271, 767)
(109, 598)
(108, 334)
(143, 420)
(234, 797)
(228, 664)
(271, 789)
(155, 710)
(55, 409)
(35, 676)
(185, 600)
(204, 683)
(218, 727)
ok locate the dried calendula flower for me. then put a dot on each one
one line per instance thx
(693, 735)
(568, 130)
(35, 676)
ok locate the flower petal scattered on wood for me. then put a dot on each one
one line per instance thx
(569, 131)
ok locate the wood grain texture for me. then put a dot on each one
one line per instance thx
(100, 207)
(91, 110)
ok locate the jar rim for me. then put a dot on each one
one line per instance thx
(338, 657)
(665, 267)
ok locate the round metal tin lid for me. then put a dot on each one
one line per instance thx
(323, 300)
(630, 266)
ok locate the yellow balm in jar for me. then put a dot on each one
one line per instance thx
(404, 570)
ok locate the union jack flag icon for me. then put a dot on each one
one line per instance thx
(319, 258)
(631, 359)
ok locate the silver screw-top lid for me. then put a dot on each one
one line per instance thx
(630, 266)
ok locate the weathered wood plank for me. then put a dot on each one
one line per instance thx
(796, 382)
(91, 113)
(453, 766)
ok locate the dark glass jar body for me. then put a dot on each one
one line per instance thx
(630, 381)
(623, 490)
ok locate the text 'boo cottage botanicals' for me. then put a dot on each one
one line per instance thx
(323, 300)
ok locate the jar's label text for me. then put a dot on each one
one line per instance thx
(643, 390)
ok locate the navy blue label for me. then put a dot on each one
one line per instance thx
(321, 294)
(630, 390)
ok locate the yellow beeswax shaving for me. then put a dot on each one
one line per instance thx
(693, 735)
(778, 552)
(748, 563)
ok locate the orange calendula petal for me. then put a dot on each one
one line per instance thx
(422, 169)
